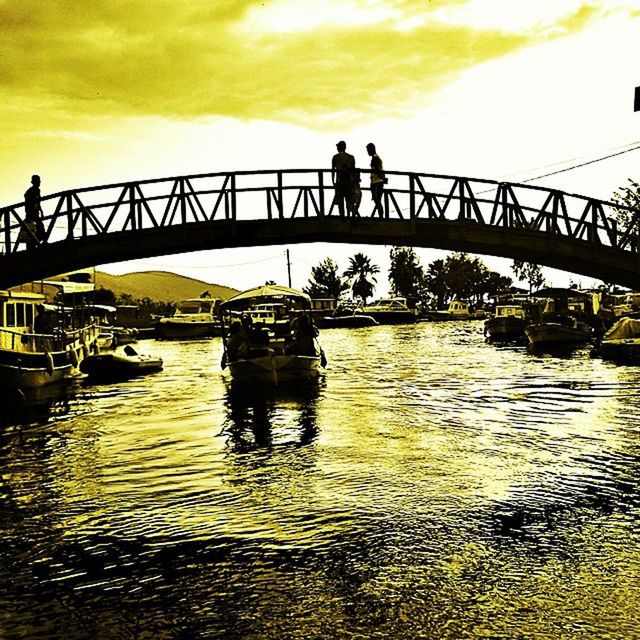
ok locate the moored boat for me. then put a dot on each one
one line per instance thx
(193, 318)
(568, 319)
(621, 343)
(456, 310)
(345, 316)
(120, 365)
(507, 323)
(390, 311)
(270, 336)
(44, 334)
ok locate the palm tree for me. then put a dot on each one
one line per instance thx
(361, 273)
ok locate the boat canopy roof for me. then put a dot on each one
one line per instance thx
(624, 329)
(560, 292)
(24, 296)
(267, 293)
(67, 286)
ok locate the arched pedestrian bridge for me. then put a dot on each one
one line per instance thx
(118, 222)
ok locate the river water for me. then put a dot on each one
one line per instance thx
(430, 485)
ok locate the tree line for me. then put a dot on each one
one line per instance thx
(459, 276)
(147, 308)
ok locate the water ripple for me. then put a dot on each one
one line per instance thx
(430, 485)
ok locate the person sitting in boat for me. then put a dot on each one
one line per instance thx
(42, 329)
(237, 343)
(303, 335)
(257, 337)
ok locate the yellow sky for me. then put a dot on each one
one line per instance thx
(112, 90)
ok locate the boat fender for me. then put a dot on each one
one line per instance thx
(223, 362)
(323, 359)
(73, 357)
(50, 366)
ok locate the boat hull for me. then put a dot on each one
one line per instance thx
(626, 351)
(34, 370)
(504, 327)
(446, 316)
(391, 317)
(111, 366)
(275, 368)
(555, 334)
(348, 322)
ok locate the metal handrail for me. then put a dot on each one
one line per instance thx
(70, 215)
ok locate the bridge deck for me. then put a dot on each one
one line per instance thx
(109, 223)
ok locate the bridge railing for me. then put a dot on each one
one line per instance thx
(297, 193)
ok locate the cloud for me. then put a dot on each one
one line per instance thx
(346, 59)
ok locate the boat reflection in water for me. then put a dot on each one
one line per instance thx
(270, 417)
(27, 406)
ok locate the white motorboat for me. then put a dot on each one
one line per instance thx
(119, 365)
(390, 311)
(193, 318)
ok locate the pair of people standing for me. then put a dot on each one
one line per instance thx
(346, 180)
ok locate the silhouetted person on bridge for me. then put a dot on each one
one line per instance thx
(343, 166)
(33, 213)
(378, 179)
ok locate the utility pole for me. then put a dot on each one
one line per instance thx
(289, 268)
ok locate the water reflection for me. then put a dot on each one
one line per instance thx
(431, 485)
(25, 406)
(265, 417)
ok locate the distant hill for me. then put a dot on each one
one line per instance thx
(160, 286)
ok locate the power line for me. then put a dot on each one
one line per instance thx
(563, 162)
(582, 164)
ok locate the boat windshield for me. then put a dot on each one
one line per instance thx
(195, 306)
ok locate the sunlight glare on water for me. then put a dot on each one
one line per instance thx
(430, 485)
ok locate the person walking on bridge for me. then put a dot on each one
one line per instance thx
(378, 179)
(33, 212)
(343, 166)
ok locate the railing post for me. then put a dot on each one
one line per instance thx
(183, 201)
(83, 217)
(614, 233)
(70, 225)
(132, 207)
(7, 231)
(412, 196)
(594, 221)
(280, 202)
(233, 197)
(552, 213)
(321, 192)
